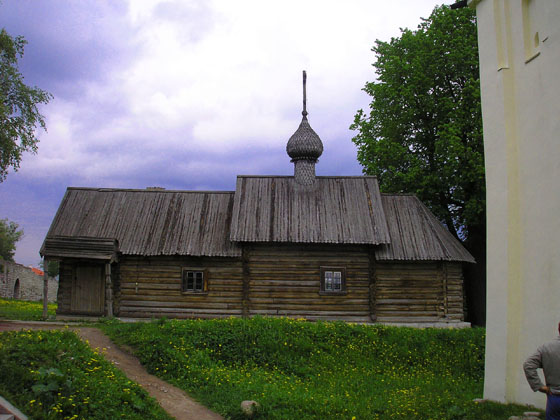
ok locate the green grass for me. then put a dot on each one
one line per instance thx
(302, 370)
(53, 375)
(25, 310)
(294, 369)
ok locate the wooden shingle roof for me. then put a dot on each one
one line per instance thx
(342, 210)
(94, 248)
(416, 234)
(98, 223)
(149, 222)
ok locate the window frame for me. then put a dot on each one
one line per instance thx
(333, 269)
(194, 290)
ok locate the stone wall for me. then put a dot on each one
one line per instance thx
(20, 282)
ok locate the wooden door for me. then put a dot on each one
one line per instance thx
(88, 290)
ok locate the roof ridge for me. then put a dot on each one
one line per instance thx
(320, 176)
(148, 190)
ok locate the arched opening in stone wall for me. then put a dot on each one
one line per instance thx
(16, 289)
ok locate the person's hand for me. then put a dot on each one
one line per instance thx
(544, 390)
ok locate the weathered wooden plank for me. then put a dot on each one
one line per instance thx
(180, 297)
(287, 279)
(224, 309)
(64, 288)
(430, 301)
(409, 314)
(416, 290)
(154, 284)
(259, 284)
(320, 302)
(416, 234)
(139, 312)
(219, 283)
(282, 312)
(226, 288)
(149, 222)
(179, 305)
(163, 294)
(404, 319)
(272, 209)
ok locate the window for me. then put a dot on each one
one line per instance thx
(333, 280)
(194, 281)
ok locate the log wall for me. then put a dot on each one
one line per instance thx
(418, 292)
(285, 281)
(151, 287)
(64, 296)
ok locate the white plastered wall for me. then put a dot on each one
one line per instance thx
(519, 45)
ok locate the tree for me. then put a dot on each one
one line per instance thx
(9, 235)
(423, 132)
(19, 114)
(53, 267)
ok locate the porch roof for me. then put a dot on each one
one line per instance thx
(144, 222)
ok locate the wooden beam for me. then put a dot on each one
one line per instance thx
(45, 288)
(246, 278)
(445, 290)
(108, 291)
(372, 285)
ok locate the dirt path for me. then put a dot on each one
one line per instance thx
(172, 399)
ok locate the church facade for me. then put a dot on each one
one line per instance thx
(305, 246)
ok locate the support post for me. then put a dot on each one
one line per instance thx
(246, 273)
(445, 291)
(108, 291)
(372, 285)
(45, 289)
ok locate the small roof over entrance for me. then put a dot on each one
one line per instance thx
(103, 249)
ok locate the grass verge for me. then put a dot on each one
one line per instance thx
(25, 310)
(53, 375)
(302, 370)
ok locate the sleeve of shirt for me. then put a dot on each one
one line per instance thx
(530, 367)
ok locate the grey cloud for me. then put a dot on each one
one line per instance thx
(68, 42)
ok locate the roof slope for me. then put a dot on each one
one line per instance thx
(149, 222)
(416, 234)
(343, 210)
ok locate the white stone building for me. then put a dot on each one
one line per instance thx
(519, 47)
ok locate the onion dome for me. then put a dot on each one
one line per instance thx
(304, 144)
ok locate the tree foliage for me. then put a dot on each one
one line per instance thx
(19, 113)
(423, 132)
(9, 235)
(53, 267)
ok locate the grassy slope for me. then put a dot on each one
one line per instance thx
(54, 375)
(305, 370)
(24, 310)
(301, 370)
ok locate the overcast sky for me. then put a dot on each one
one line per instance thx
(187, 94)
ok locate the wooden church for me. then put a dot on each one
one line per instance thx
(305, 246)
